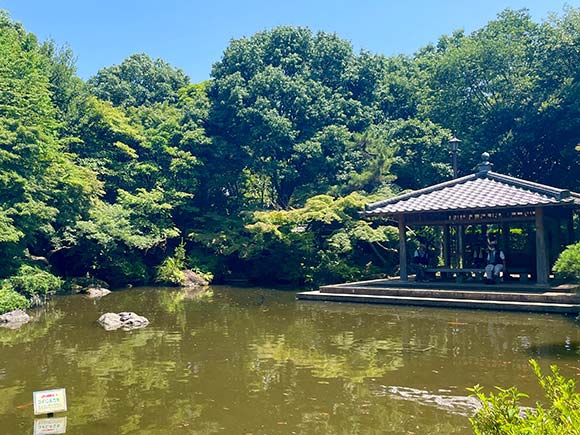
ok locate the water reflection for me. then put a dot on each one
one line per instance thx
(256, 361)
(49, 426)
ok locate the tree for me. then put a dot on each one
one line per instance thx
(275, 98)
(42, 190)
(138, 80)
(510, 89)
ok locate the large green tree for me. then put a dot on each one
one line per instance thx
(138, 80)
(42, 190)
(282, 99)
(510, 88)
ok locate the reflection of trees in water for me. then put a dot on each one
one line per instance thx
(347, 362)
(175, 301)
(465, 347)
(342, 358)
(126, 379)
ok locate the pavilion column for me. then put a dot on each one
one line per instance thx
(541, 248)
(460, 246)
(446, 246)
(403, 249)
(556, 246)
(505, 240)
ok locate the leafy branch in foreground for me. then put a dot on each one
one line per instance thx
(502, 414)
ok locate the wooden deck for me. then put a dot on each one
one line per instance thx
(512, 296)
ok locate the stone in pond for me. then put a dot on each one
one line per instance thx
(14, 319)
(97, 292)
(125, 321)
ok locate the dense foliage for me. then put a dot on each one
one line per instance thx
(262, 169)
(502, 413)
(567, 266)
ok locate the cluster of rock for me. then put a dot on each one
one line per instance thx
(14, 319)
(97, 292)
(126, 321)
(193, 279)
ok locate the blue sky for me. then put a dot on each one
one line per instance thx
(192, 35)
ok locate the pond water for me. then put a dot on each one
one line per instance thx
(255, 361)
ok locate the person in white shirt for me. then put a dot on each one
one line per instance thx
(495, 262)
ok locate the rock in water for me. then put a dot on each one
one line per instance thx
(126, 321)
(14, 319)
(97, 292)
(192, 279)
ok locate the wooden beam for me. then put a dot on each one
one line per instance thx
(541, 248)
(403, 249)
(410, 220)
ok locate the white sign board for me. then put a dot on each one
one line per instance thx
(47, 426)
(50, 401)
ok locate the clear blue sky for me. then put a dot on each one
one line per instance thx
(192, 34)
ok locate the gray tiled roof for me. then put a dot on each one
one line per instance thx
(483, 190)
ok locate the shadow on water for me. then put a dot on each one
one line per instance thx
(566, 349)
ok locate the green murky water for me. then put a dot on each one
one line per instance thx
(255, 361)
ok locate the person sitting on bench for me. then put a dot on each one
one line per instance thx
(495, 262)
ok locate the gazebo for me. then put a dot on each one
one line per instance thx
(479, 200)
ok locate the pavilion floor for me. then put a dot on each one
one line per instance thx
(510, 296)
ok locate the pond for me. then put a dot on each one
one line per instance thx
(255, 361)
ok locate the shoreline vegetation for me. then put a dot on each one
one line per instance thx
(259, 173)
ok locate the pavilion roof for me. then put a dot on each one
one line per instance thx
(482, 191)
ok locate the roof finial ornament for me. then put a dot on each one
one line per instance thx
(485, 165)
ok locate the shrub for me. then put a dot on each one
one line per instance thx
(501, 413)
(568, 264)
(10, 300)
(31, 281)
(171, 270)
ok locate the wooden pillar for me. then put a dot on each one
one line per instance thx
(460, 246)
(446, 246)
(541, 248)
(556, 246)
(505, 240)
(403, 249)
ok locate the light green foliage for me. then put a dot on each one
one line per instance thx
(115, 237)
(11, 300)
(502, 414)
(67, 88)
(42, 190)
(171, 270)
(131, 222)
(322, 242)
(107, 143)
(568, 264)
(32, 281)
